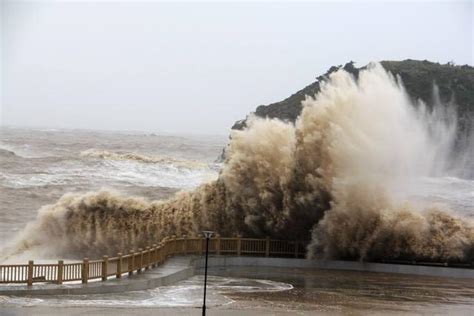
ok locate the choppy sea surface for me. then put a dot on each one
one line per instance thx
(38, 166)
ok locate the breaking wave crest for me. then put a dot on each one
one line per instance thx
(104, 154)
(339, 176)
(7, 153)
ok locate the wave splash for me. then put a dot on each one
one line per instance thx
(339, 176)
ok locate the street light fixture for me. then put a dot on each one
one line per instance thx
(207, 234)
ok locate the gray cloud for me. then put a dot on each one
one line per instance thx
(195, 67)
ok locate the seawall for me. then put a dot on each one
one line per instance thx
(225, 261)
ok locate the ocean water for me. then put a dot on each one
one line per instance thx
(38, 166)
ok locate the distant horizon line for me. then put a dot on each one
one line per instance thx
(111, 130)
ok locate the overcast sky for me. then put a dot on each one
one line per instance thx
(198, 67)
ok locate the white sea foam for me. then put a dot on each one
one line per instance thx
(187, 293)
(110, 172)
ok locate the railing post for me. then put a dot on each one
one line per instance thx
(158, 254)
(85, 270)
(140, 260)
(296, 249)
(196, 245)
(59, 278)
(239, 245)
(147, 259)
(105, 265)
(154, 256)
(131, 262)
(150, 252)
(174, 248)
(29, 280)
(150, 257)
(185, 245)
(162, 251)
(159, 250)
(267, 247)
(194, 249)
(118, 274)
(218, 245)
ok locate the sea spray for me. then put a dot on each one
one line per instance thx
(378, 143)
(341, 176)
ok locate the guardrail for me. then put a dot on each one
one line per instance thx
(143, 259)
(149, 257)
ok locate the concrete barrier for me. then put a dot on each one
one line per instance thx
(336, 265)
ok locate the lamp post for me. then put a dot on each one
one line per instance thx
(207, 235)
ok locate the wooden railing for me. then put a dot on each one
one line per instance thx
(142, 259)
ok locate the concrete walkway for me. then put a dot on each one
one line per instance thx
(180, 268)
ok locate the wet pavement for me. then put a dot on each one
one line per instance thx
(270, 291)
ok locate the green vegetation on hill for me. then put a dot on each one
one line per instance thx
(455, 84)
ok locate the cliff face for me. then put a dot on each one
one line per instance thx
(455, 84)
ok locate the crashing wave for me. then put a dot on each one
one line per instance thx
(338, 177)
